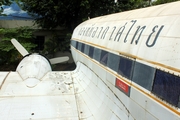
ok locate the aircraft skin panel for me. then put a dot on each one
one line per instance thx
(52, 98)
(141, 36)
(78, 94)
(135, 55)
(3, 76)
(42, 107)
(60, 95)
(138, 105)
(94, 99)
(127, 68)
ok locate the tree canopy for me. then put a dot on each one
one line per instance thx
(8, 53)
(69, 13)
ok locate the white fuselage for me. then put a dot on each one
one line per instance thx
(136, 55)
(128, 68)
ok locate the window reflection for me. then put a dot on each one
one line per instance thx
(104, 57)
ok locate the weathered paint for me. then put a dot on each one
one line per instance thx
(95, 90)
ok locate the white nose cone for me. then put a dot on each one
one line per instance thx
(31, 82)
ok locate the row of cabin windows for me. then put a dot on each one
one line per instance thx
(160, 83)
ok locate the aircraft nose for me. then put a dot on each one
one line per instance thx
(31, 82)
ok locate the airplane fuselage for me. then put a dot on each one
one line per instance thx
(136, 54)
(128, 68)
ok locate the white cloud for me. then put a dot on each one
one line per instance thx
(14, 10)
(22, 11)
(9, 11)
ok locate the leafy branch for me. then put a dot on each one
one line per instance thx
(8, 53)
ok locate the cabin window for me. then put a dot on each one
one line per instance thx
(113, 61)
(86, 49)
(166, 86)
(97, 54)
(73, 43)
(91, 51)
(77, 43)
(104, 57)
(125, 67)
(79, 46)
(143, 75)
(82, 47)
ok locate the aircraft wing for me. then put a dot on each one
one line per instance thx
(52, 98)
(68, 95)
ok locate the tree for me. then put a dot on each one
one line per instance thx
(69, 13)
(55, 44)
(8, 53)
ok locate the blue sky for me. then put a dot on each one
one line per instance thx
(14, 11)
